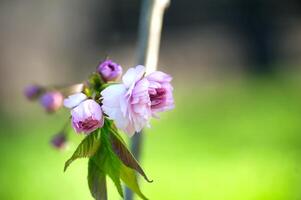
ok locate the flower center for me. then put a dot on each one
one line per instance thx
(88, 123)
(111, 67)
(157, 96)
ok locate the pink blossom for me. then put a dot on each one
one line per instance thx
(128, 104)
(52, 101)
(160, 92)
(87, 116)
(109, 70)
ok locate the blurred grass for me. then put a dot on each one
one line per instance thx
(235, 140)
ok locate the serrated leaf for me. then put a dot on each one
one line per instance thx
(97, 181)
(87, 148)
(125, 155)
(128, 176)
(112, 168)
(107, 161)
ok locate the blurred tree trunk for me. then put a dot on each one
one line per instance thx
(256, 23)
(149, 37)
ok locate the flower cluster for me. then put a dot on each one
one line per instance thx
(101, 106)
(130, 104)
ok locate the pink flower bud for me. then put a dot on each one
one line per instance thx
(32, 92)
(87, 116)
(109, 70)
(52, 101)
(59, 141)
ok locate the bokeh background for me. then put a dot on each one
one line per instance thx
(235, 133)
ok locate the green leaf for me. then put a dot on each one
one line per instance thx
(112, 168)
(97, 181)
(86, 148)
(107, 161)
(125, 155)
(128, 176)
(95, 82)
(93, 86)
(87, 91)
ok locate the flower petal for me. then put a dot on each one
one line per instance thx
(74, 100)
(159, 76)
(133, 75)
(112, 94)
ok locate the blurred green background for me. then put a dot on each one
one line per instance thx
(235, 133)
(235, 140)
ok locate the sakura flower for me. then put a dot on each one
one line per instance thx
(128, 104)
(160, 92)
(87, 116)
(52, 101)
(109, 70)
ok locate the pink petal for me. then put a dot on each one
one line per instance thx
(159, 76)
(133, 75)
